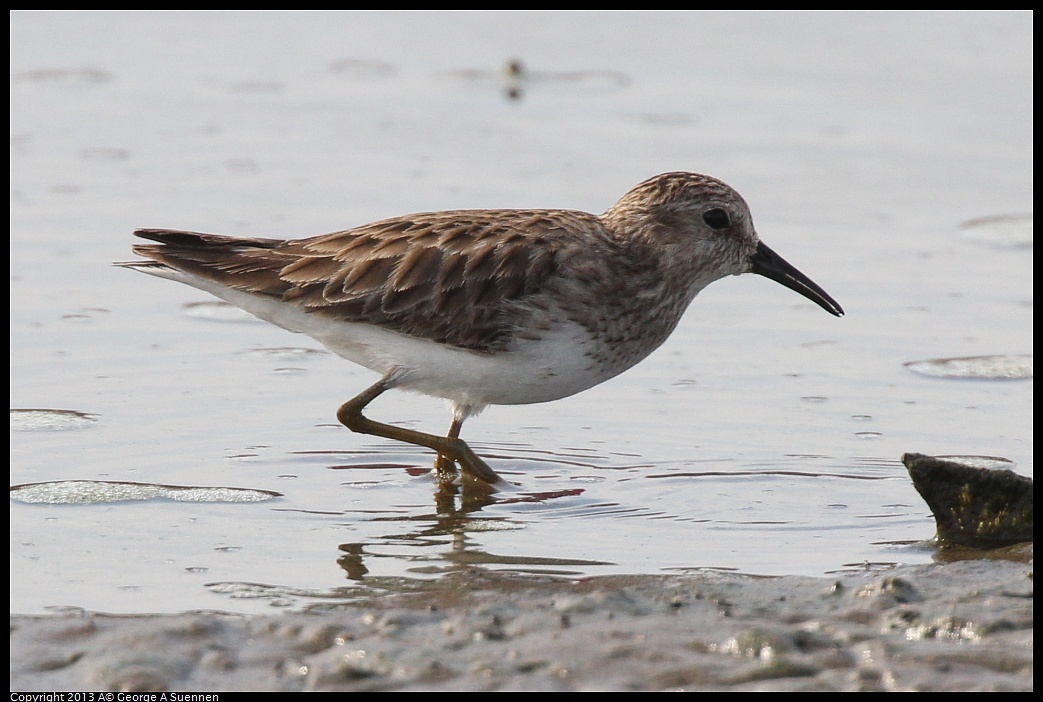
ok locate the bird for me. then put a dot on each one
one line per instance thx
(487, 306)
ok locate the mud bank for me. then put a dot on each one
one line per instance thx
(955, 626)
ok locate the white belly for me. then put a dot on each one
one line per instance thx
(555, 366)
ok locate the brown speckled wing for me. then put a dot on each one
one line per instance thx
(452, 277)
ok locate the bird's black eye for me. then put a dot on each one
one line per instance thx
(716, 218)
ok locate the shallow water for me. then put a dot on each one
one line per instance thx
(885, 159)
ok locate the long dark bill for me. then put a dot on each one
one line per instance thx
(769, 264)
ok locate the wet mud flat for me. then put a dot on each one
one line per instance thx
(964, 625)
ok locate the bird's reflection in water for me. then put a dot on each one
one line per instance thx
(448, 531)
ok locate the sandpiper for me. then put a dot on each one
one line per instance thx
(486, 307)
